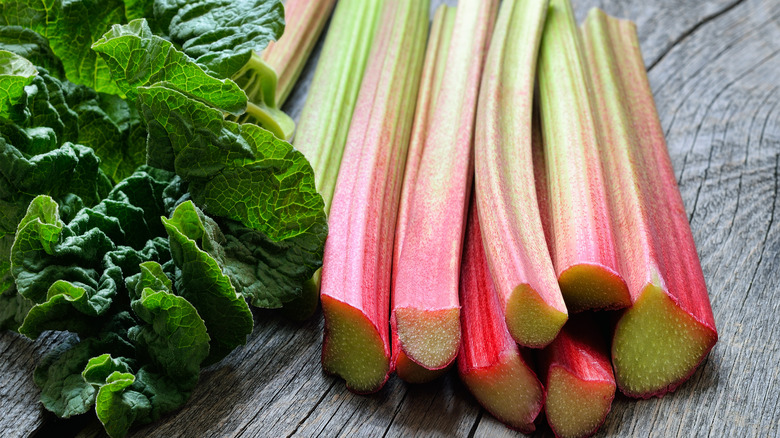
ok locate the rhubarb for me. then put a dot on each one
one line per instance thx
(489, 361)
(514, 239)
(325, 119)
(304, 21)
(578, 380)
(583, 242)
(425, 295)
(430, 83)
(358, 252)
(664, 336)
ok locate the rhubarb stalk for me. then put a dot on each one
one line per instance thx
(583, 242)
(430, 83)
(578, 380)
(304, 21)
(514, 239)
(425, 301)
(662, 338)
(325, 119)
(489, 361)
(358, 253)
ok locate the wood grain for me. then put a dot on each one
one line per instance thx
(714, 67)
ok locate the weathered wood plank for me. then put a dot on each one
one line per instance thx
(714, 72)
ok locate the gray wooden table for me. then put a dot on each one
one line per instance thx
(714, 67)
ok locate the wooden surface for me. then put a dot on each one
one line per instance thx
(715, 70)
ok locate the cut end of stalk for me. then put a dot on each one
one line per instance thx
(657, 345)
(510, 391)
(576, 407)
(532, 322)
(586, 287)
(353, 348)
(429, 337)
(411, 372)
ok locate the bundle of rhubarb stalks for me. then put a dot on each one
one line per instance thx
(502, 199)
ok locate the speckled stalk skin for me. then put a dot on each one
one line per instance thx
(358, 252)
(426, 302)
(583, 244)
(581, 351)
(657, 250)
(432, 74)
(304, 21)
(514, 239)
(325, 120)
(489, 358)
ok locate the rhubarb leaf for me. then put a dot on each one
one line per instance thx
(32, 46)
(221, 35)
(200, 280)
(174, 336)
(139, 58)
(15, 74)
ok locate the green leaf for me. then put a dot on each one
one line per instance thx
(67, 308)
(166, 395)
(241, 172)
(112, 128)
(221, 35)
(63, 389)
(15, 74)
(30, 45)
(152, 276)
(100, 367)
(200, 280)
(269, 273)
(174, 338)
(138, 58)
(70, 26)
(117, 406)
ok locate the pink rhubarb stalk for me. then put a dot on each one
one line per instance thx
(358, 253)
(664, 336)
(583, 244)
(304, 21)
(430, 83)
(578, 380)
(425, 302)
(489, 361)
(514, 238)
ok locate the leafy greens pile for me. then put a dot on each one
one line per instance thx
(133, 213)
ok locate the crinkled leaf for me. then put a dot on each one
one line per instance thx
(70, 26)
(59, 375)
(100, 367)
(269, 273)
(164, 393)
(241, 172)
(112, 128)
(174, 336)
(68, 307)
(30, 45)
(117, 406)
(15, 74)
(138, 58)
(200, 280)
(152, 276)
(220, 34)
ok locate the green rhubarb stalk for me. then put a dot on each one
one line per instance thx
(514, 238)
(433, 71)
(583, 243)
(304, 21)
(325, 120)
(258, 80)
(425, 295)
(358, 253)
(665, 335)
